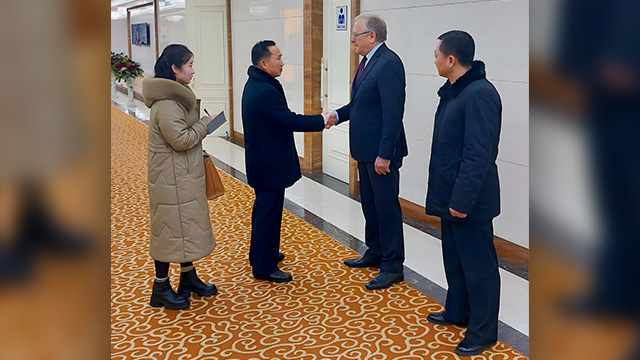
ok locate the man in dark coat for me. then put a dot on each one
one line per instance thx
(377, 141)
(594, 49)
(464, 191)
(270, 154)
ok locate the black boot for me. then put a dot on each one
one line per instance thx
(189, 282)
(41, 231)
(163, 295)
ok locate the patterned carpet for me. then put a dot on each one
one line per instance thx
(324, 313)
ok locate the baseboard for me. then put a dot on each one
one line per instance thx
(237, 138)
(513, 255)
(136, 95)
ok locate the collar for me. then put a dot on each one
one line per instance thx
(156, 89)
(371, 53)
(261, 75)
(475, 73)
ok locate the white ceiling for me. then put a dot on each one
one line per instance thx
(119, 7)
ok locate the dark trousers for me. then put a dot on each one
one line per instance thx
(471, 268)
(266, 219)
(383, 216)
(616, 172)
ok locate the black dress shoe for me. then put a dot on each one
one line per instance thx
(472, 349)
(189, 282)
(362, 262)
(163, 295)
(438, 318)
(280, 257)
(278, 276)
(384, 280)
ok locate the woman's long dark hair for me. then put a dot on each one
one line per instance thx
(174, 54)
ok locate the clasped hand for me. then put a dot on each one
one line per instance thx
(330, 119)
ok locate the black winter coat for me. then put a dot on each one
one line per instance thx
(463, 174)
(270, 153)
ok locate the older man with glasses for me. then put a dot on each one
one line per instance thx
(378, 143)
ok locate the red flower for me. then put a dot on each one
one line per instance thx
(125, 68)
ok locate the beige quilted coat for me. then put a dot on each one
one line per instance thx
(180, 223)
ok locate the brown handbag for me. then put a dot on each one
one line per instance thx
(212, 178)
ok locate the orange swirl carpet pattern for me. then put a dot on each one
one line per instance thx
(324, 313)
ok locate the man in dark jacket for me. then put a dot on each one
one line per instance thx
(377, 141)
(270, 155)
(464, 191)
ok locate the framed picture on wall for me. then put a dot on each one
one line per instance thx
(140, 34)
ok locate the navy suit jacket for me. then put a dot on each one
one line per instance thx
(270, 152)
(463, 174)
(377, 108)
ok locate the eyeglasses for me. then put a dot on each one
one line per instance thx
(353, 36)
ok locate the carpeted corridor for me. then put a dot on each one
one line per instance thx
(324, 313)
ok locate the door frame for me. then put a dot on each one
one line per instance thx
(233, 135)
(354, 183)
(312, 18)
(156, 11)
(312, 64)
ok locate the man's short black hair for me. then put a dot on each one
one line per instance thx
(459, 44)
(261, 51)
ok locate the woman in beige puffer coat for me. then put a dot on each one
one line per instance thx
(180, 224)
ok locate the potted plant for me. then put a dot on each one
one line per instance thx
(126, 69)
(115, 58)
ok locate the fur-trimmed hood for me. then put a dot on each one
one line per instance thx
(156, 89)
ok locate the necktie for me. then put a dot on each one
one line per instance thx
(361, 68)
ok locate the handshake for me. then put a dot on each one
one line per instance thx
(330, 119)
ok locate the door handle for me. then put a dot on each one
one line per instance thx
(324, 77)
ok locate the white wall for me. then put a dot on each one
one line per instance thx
(119, 36)
(145, 54)
(501, 32)
(277, 20)
(172, 27)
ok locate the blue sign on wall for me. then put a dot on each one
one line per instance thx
(341, 20)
